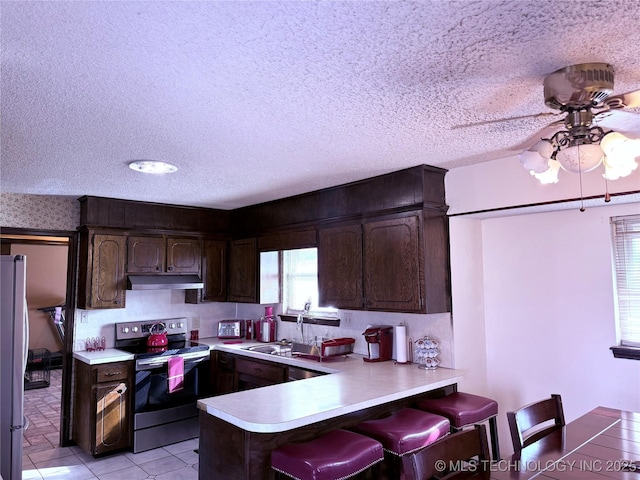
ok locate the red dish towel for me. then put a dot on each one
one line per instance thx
(175, 367)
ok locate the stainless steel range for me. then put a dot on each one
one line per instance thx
(164, 414)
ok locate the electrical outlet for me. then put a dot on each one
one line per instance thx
(84, 316)
(195, 322)
(347, 318)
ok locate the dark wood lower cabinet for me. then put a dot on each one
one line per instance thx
(101, 422)
(230, 452)
(232, 373)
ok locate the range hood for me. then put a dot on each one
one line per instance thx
(164, 282)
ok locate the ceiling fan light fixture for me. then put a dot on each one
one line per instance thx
(617, 144)
(619, 167)
(620, 155)
(550, 175)
(536, 159)
(153, 166)
(580, 158)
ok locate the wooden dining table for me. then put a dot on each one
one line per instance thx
(602, 444)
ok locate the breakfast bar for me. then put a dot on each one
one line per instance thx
(239, 430)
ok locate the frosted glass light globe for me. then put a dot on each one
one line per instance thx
(581, 158)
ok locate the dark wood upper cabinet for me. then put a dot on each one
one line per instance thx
(214, 274)
(184, 255)
(393, 265)
(379, 265)
(149, 254)
(383, 244)
(340, 267)
(146, 255)
(243, 271)
(132, 215)
(102, 271)
(214, 270)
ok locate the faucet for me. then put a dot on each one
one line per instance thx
(300, 320)
(300, 326)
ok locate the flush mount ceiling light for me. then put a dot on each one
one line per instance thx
(152, 166)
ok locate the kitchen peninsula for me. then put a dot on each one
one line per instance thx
(239, 430)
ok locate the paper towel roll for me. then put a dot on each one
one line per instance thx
(401, 343)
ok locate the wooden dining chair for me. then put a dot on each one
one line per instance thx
(445, 458)
(534, 421)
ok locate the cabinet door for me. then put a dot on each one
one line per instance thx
(340, 267)
(112, 421)
(243, 271)
(146, 254)
(253, 373)
(214, 271)
(392, 265)
(222, 373)
(184, 255)
(107, 273)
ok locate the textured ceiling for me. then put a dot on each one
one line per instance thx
(262, 100)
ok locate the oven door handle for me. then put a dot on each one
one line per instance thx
(155, 362)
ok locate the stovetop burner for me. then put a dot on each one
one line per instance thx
(176, 347)
(132, 338)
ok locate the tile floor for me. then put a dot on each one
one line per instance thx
(43, 458)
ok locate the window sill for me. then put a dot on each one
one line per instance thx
(630, 353)
(328, 321)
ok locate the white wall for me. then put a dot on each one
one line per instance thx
(548, 318)
(505, 183)
(468, 303)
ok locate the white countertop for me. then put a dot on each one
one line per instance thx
(352, 385)
(107, 355)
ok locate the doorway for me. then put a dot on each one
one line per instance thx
(10, 241)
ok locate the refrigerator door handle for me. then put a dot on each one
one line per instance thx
(25, 347)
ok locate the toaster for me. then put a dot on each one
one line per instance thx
(231, 329)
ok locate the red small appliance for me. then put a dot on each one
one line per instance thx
(379, 340)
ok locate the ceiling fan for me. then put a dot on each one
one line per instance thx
(583, 94)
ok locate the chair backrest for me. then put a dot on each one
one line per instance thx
(452, 449)
(523, 422)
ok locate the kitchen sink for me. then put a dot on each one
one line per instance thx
(282, 349)
(314, 352)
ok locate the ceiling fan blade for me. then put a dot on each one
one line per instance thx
(500, 120)
(624, 100)
(545, 132)
(621, 121)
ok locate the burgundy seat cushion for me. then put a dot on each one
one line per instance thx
(461, 408)
(406, 431)
(335, 455)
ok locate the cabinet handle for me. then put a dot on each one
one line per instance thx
(111, 374)
(169, 269)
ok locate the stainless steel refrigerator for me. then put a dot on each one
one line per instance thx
(14, 344)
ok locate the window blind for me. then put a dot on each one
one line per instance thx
(626, 258)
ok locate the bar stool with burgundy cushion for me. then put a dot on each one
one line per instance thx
(404, 432)
(465, 409)
(336, 455)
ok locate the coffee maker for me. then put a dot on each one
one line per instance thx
(379, 343)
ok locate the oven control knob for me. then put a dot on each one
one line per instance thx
(125, 329)
(172, 325)
(134, 329)
(180, 324)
